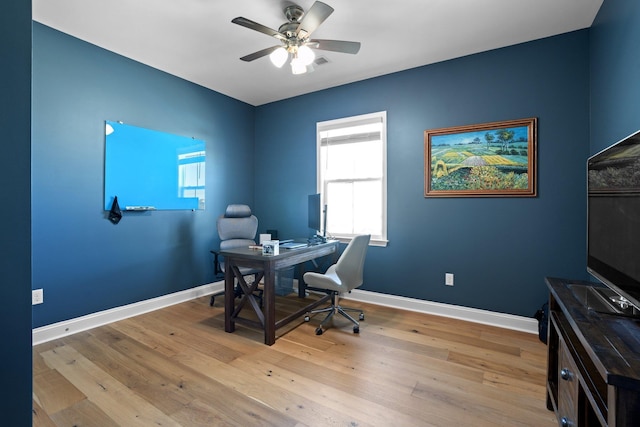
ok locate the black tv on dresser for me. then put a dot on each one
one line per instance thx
(613, 218)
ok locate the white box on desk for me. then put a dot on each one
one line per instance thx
(264, 237)
(271, 247)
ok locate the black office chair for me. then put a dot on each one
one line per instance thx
(236, 228)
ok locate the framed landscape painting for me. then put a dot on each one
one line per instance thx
(484, 160)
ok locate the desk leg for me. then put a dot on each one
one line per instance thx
(302, 287)
(269, 305)
(229, 297)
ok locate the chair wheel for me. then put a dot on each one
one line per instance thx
(212, 300)
(307, 318)
(319, 331)
(361, 317)
(356, 329)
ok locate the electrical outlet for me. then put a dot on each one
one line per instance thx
(37, 296)
(448, 279)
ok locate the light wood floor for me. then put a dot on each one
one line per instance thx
(177, 367)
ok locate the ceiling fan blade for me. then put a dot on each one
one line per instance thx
(313, 18)
(259, 54)
(248, 23)
(335, 45)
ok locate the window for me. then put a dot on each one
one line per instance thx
(191, 175)
(352, 176)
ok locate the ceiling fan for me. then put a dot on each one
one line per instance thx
(295, 38)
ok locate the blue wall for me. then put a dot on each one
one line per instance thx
(500, 249)
(83, 262)
(615, 73)
(15, 214)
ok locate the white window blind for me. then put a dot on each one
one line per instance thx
(352, 176)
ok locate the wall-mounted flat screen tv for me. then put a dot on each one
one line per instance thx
(613, 217)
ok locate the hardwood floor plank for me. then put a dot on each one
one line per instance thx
(150, 384)
(460, 410)
(54, 392)
(178, 334)
(285, 400)
(124, 406)
(450, 341)
(373, 359)
(359, 410)
(40, 417)
(38, 364)
(387, 393)
(200, 414)
(227, 402)
(84, 414)
(509, 384)
(207, 329)
(498, 365)
(177, 366)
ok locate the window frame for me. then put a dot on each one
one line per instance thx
(380, 116)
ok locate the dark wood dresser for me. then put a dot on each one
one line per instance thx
(593, 373)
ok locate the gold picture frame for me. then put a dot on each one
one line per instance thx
(485, 160)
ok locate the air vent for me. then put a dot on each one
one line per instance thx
(320, 60)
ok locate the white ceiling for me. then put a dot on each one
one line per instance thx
(195, 39)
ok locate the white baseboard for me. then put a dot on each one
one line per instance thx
(79, 324)
(485, 317)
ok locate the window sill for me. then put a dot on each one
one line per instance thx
(373, 242)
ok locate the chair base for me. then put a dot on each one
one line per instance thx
(333, 309)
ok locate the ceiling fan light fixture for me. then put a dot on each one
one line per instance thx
(279, 57)
(306, 55)
(297, 67)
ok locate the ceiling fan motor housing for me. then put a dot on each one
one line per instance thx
(293, 13)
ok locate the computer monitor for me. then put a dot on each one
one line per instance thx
(316, 215)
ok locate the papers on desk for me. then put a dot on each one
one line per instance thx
(271, 247)
(293, 245)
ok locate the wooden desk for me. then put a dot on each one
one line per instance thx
(246, 257)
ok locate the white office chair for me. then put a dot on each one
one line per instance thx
(341, 277)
